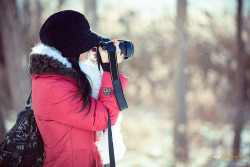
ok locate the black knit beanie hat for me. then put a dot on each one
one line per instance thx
(69, 32)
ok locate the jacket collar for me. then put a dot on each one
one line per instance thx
(47, 60)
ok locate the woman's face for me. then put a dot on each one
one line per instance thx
(90, 55)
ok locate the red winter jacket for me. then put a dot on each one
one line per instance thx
(68, 138)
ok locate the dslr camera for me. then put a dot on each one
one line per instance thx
(126, 46)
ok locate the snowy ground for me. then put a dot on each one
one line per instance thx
(148, 136)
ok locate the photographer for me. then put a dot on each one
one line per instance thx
(69, 102)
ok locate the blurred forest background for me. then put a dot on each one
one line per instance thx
(189, 87)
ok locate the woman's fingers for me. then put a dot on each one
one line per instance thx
(104, 55)
(118, 50)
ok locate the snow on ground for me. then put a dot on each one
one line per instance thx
(148, 136)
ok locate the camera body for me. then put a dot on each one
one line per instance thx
(126, 46)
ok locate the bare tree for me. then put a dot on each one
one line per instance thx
(2, 126)
(30, 18)
(60, 4)
(239, 121)
(15, 61)
(4, 98)
(180, 84)
(90, 11)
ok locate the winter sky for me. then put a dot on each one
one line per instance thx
(154, 8)
(146, 7)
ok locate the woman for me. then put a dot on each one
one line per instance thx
(67, 90)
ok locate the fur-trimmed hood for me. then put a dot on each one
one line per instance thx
(45, 59)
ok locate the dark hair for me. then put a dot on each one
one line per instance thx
(84, 85)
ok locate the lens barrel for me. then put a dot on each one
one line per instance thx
(127, 48)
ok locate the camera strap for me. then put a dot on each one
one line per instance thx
(111, 147)
(116, 81)
(120, 98)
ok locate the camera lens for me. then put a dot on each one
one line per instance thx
(127, 48)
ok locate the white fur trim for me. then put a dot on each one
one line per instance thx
(119, 147)
(42, 49)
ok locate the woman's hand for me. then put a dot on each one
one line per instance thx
(104, 53)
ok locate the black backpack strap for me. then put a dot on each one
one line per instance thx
(29, 101)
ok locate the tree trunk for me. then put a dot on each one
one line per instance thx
(2, 126)
(15, 61)
(90, 11)
(4, 98)
(239, 121)
(4, 93)
(180, 85)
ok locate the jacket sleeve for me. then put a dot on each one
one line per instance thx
(64, 109)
